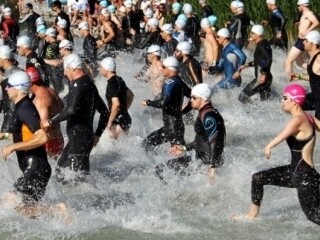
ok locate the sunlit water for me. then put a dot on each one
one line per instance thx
(123, 199)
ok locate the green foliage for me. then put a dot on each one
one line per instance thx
(257, 10)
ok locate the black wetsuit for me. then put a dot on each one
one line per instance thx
(238, 29)
(313, 98)
(206, 11)
(297, 175)
(262, 65)
(90, 53)
(33, 163)
(192, 29)
(82, 103)
(277, 21)
(6, 103)
(191, 71)
(169, 47)
(54, 74)
(117, 88)
(32, 60)
(29, 25)
(173, 92)
(144, 40)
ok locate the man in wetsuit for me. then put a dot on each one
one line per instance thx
(28, 143)
(231, 59)
(239, 24)
(29, 23)
(210, 131)
(192, 28)
(89, 48)
(7, 62)
(262, 60)
(312, 46)
(190, 69)
(119, 98)
(277, 22)
(170, 44)
(51, 52)
(173, 92)
(32, 59)
(83, 100)
(57, 7)
(10, 28)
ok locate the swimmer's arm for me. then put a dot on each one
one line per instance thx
(291, 128)
(38, 139)
(42, 108)
(53, 62)
(317, 124)
(130, 97)
(104, 115)
(195, 76)
(314, 21)
(115, 107)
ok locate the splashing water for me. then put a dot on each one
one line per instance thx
(123, 199)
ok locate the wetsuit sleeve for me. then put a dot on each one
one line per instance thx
(70, 110)
(144, 43)
(165, 95)
(91, 51)
(104, 114)
(187, 93)
(212, 132)
(279, 15)
(242, 57)
(195, 75)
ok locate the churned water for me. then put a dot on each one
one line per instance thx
(123, 199)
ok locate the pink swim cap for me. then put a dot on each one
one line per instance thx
(296, 92)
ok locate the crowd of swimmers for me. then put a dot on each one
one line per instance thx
(175, 67)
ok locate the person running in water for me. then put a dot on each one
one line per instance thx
(300, 173)
(210, 132)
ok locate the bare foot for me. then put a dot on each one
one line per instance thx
(211, 175)
(250, 215)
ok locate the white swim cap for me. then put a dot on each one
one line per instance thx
(24, 41)
(180, 23)
(303, 2)
(187, 8)
(185, 47)
(7, 11)
(148, 13)
(104, 12)
(20, 81)
(40, 21)
(83, 25)
(271, 1)
(202, 90)
(223, 32)
(152, 22)
(257, 29)
(111, 9)
(167, 28)
(51, 32)
(65, 44)
(234, 4)
(6, 52)
(128, 3)
(108, 64)
(240, 4)
(41, 29)
(72, 61)
(171, 63)
(205, 23)
(154, 49)
(62, 23)
(313, 37)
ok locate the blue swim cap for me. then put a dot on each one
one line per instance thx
(176, 5)
(41, 29)
(111, 9)
(182, 16)
(104, 4)
(213, 20)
